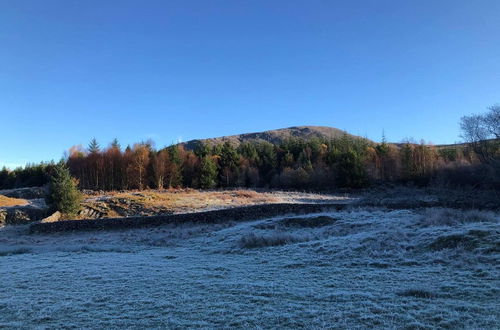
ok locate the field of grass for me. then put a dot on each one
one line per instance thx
(360, 268)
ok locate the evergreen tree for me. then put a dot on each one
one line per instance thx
(174, 171)
(249, 151)
(94, 146)
(304, 160)
(407, 162)
(287, 160)
(268, 161)
(201, 149)
(383, 147)
(229, 161)
(63, 193)
(4, 178)
(115, 144)
(351, 171)
(208, 173)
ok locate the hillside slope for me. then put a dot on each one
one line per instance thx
(273, 136)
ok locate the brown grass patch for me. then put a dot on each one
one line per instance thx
(186, 200)
(246, 194)
(8, 201)
(197, 199)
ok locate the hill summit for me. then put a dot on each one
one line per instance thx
(276, 136)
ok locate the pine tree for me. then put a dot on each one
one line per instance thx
(94, 146)
(174, 170)
(229, 161)
(350, 170)
(268, 161)
(249, 151)
(208, 173)
(115, 144)
(202, 149)
(63, 193)
(383, 147)
(4, 178)
(407, 161)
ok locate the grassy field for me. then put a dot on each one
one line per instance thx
(360, 268)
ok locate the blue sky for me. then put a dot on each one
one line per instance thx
(169, 70)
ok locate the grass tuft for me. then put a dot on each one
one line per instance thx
(251, 241)
(453, 217)
(453, 242)
(418, 293)
(11, 252)
(308, 222)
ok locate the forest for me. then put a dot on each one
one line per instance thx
(314, 164)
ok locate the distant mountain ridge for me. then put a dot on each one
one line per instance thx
(276, 136)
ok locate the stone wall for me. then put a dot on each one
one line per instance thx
(217, 216)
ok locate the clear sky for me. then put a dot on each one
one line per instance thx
(169, 70)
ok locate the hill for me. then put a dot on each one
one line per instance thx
(276, 136)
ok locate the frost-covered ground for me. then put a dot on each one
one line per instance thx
(353, 269)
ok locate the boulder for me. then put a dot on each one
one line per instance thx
(56, 216)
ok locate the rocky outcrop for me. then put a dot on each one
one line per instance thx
(21, 215)
(88, 212)
(26, 193)
(118, 206)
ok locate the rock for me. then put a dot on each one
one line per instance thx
(3, 216)
(56, 216)
(21, 214)
(26, 193)
(90, 213)
(17, 216)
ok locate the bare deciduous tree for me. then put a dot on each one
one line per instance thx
(492, 121)
(480, 131)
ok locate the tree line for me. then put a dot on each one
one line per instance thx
(344, 162)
